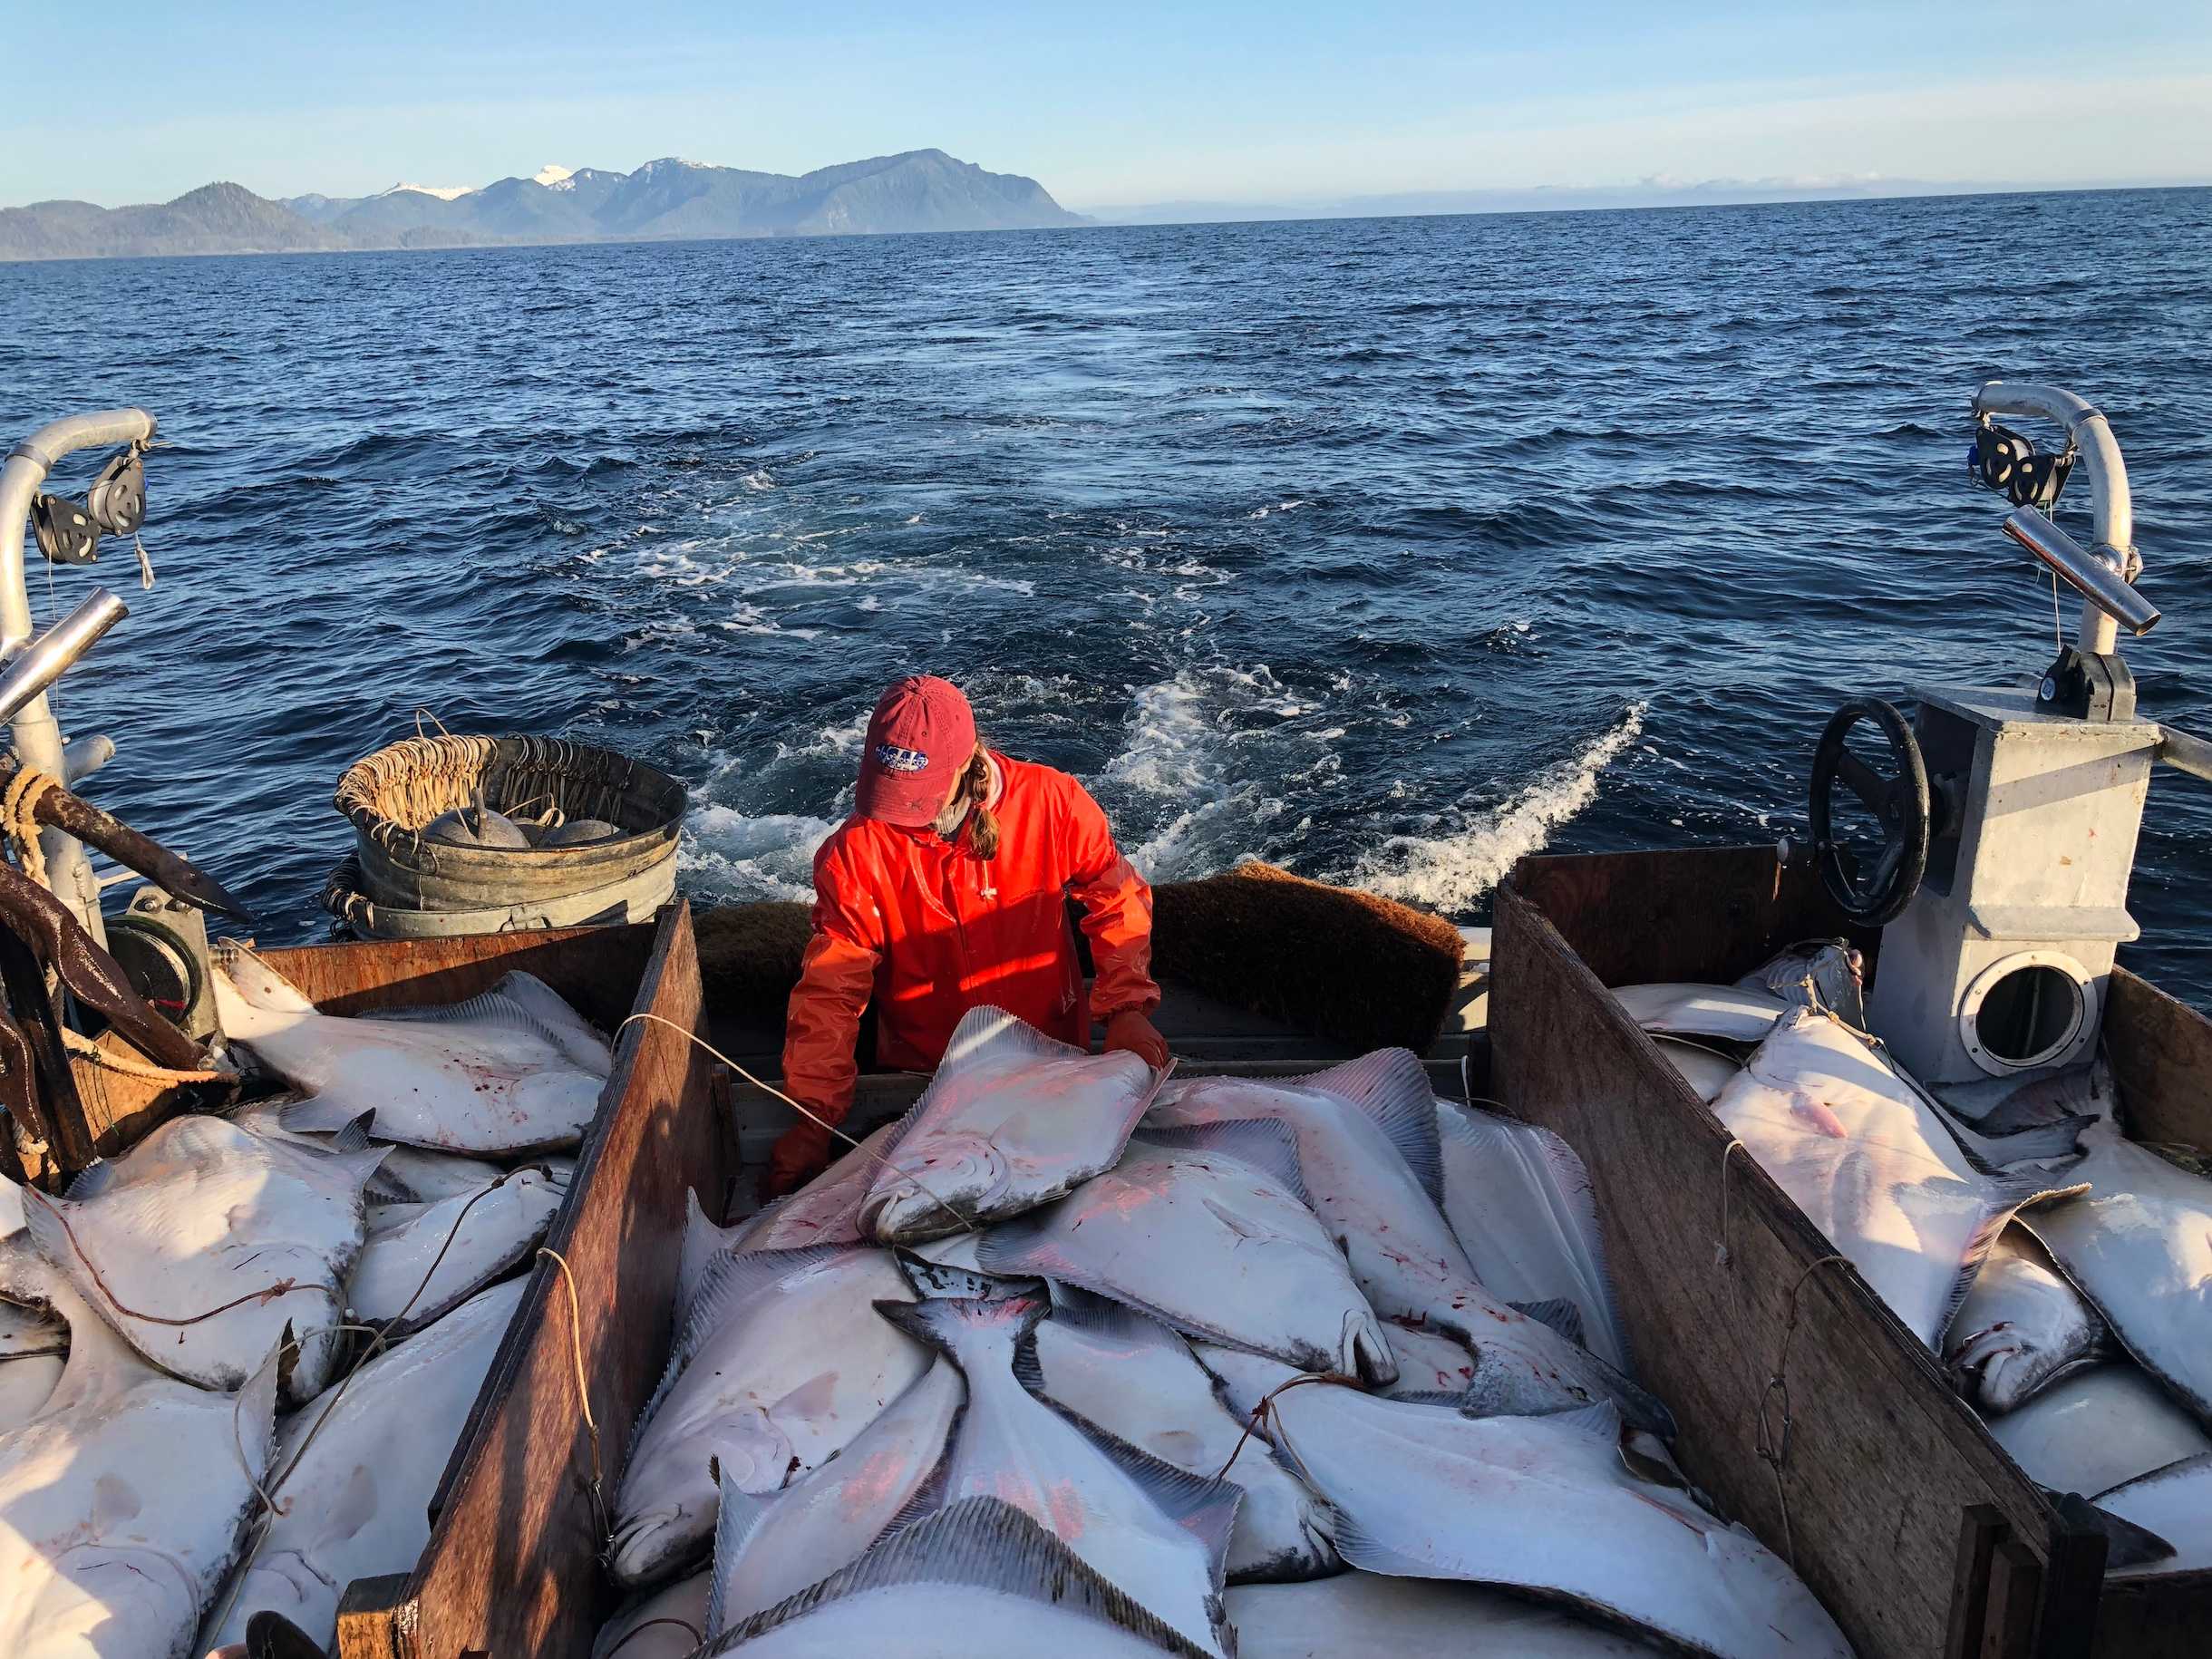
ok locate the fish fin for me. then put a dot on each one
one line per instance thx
(201, 1136)
(385, 1187)
(737, 1523)
(362, 1168)
(943, 1279)
(2056, 1144)
(1102, 1316)
(1268, 1144)
(90, 1182)
(669, 1373)
(1572, 1201)
(1028, 1370)
(572, 1033)
(49, 1233)
(2023, 1189)
(930, 1495)
(494, 1007)
(1204, 1506)
(1560, 1313)
(1360, 1548)
(1456, 1399)
(320, 1113)
(940, 1322)
(703, 1242)
(985, 1032)
(2125, 1544)
(1626, 1399)
(1602, 1421)
(1392, 1087)
(354, 1136)
(985, 1543)
(256, 1403)
(731, 1281)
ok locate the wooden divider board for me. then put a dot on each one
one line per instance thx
(1882, 1457)
(511, 1566)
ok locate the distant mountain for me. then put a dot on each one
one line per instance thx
(921, 189)
(216, 219)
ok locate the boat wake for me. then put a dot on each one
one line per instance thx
(1451, 873)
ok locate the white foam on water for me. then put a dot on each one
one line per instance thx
(1450, 873)
(830, 742)
(734, 856)
(1181, 793)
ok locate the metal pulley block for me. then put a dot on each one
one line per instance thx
(117, 499)
(66, 533)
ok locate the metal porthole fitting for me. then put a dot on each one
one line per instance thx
(2033, 1009)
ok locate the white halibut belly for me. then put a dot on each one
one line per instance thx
(2097, 1428)
(944, 1621)
(1863, 1156)
(441, 1256)
(2175, 1503)
(771, 1386)
(1536, 1503)
(1013, 1119)
(2139, 1246)
(802, 1535)
(203, 1216)
(361, 1467)
(1145, 1386)
(1208, 1244)
(1408, 1618)
(122, 1504)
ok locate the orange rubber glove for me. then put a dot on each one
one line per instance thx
(1130, 1031)
(801, 1153)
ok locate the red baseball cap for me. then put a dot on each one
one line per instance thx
(920, 739)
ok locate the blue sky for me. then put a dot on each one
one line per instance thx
(1108, 105)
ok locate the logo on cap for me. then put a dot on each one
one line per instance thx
(892, 758)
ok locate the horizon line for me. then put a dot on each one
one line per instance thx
(493, 245)
(1754, 192)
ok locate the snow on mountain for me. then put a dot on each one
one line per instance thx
(554, 177)
(443, 192)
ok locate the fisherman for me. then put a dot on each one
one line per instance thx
(948, 890)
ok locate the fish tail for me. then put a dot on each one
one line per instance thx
(956, 1326)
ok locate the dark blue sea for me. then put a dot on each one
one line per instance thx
(1386, 550)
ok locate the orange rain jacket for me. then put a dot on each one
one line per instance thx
(928, 930)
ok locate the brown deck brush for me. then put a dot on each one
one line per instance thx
(1367, 971)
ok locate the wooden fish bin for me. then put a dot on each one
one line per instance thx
(512, 1566)
(513, 1530)
(1808, 1410)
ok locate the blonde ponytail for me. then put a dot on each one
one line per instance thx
(983, 823)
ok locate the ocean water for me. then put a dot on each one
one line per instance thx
(1388, 550)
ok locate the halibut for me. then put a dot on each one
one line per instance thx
(1212, 1236)
(1013, 1119)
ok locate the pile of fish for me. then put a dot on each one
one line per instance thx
(235, 1359)
(1075, 1358)
(486, 828)
(2062, 1271)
